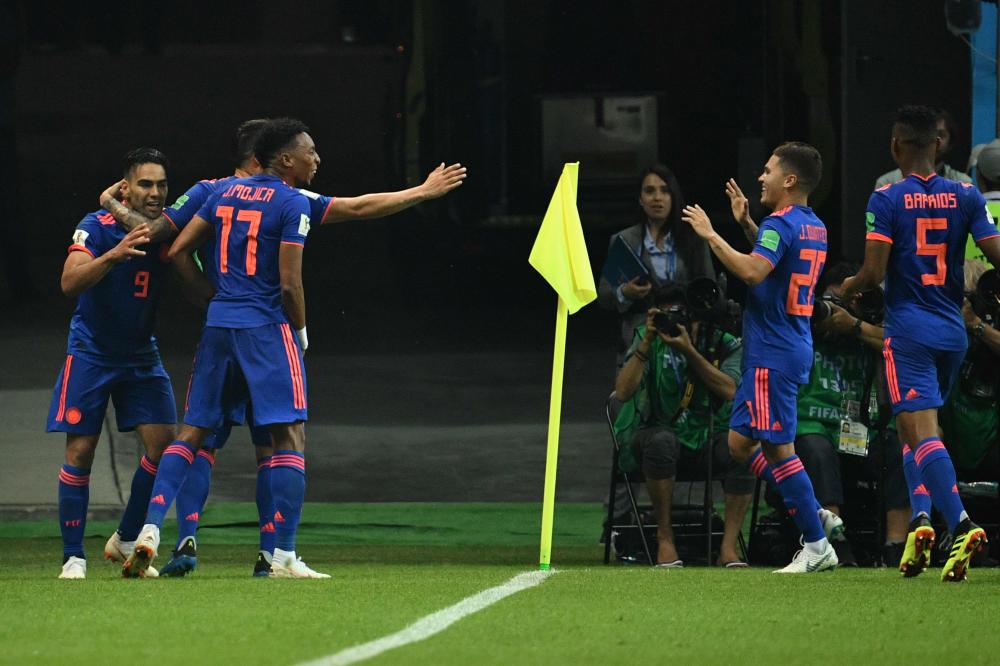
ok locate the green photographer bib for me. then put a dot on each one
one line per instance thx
(837, 378)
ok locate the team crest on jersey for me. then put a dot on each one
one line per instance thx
(80, 237)
(303, 225)
(770, 239)
(870, 220)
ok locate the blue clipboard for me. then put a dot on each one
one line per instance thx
(622, 265)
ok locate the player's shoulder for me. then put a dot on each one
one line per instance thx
(98, 221)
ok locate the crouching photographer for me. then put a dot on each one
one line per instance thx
(837, 433)
(679, 379)
(970, 418)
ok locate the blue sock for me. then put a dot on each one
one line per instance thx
(920, 499)
(938, 474)
(763, 470)
(797, 491)
(174, 466)
(288, 487)
(265, 505)
(193, 494)
(135, 511)
(74, 495)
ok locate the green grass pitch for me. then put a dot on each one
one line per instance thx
(393, 564)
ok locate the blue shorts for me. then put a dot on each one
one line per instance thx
(765, 406)
(234, 365)
(919, 377)
(259, 435)
(140, 394)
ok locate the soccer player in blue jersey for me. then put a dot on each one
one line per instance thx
(192, 495)
(116, 276)
(782, 270)
(917, 231)
(254, 336)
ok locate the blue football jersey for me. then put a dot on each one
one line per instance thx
(113, 321)
(251, 218)
(188, 204)
(776, 331)
(927, 221)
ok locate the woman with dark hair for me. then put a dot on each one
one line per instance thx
(670, 250)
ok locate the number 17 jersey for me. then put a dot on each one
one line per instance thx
(776, 331)
(252, 217)
(927, 219)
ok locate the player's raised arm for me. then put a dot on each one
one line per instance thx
(197, 289)
(750, 268)
(740, 206)
(83, 270)
(439, 182)
(160, 227)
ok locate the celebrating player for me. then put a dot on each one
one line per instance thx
(788, 256)
(111, 353)
(917, 231)
(194, 492)
(248, 348)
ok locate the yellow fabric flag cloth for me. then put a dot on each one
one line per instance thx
(559, 252)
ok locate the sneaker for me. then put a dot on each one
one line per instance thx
(919, 546)
(293, 567)
(75, 567)
(184, 559)
(117, 550)
(263, 565)
(969, 540)
(833, 525)
(138, 562)
(807, 562)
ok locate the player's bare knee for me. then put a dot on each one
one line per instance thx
(193, 435)
(80, 450)
(775, 453)
(289, 436)
(740, 447)
(156, 438)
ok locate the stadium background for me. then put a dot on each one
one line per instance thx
(431, 336)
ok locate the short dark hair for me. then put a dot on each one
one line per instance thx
(916, 126)
(835, 274)
(802, 160)
(144, 155)
(277, 135)
(245, 138)
(669, 292)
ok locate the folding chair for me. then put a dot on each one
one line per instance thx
(617, 477)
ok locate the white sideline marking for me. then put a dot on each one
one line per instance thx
(433, 623)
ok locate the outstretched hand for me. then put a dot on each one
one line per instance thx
(443, 180)
(699, 221)
(738, 202)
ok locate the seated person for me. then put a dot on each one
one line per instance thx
(970, 418)
(672, 382)
(845, 358)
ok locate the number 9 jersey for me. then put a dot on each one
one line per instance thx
(776, 331)
(927, 219)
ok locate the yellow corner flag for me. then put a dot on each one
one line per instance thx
(560, 255)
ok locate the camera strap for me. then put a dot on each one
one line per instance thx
(689, 389)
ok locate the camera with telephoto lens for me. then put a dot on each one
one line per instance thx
(985, 299)
(707, 304)
(869, 307)
(666, 320)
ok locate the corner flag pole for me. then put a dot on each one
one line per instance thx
(552, 449)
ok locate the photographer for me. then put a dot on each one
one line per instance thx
(830, 413)
(676, 370)
(970, 418)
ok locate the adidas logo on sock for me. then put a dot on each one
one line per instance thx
(267, 528)
(158, 500)
(912, 394)
(191, 516)
(278, 518)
